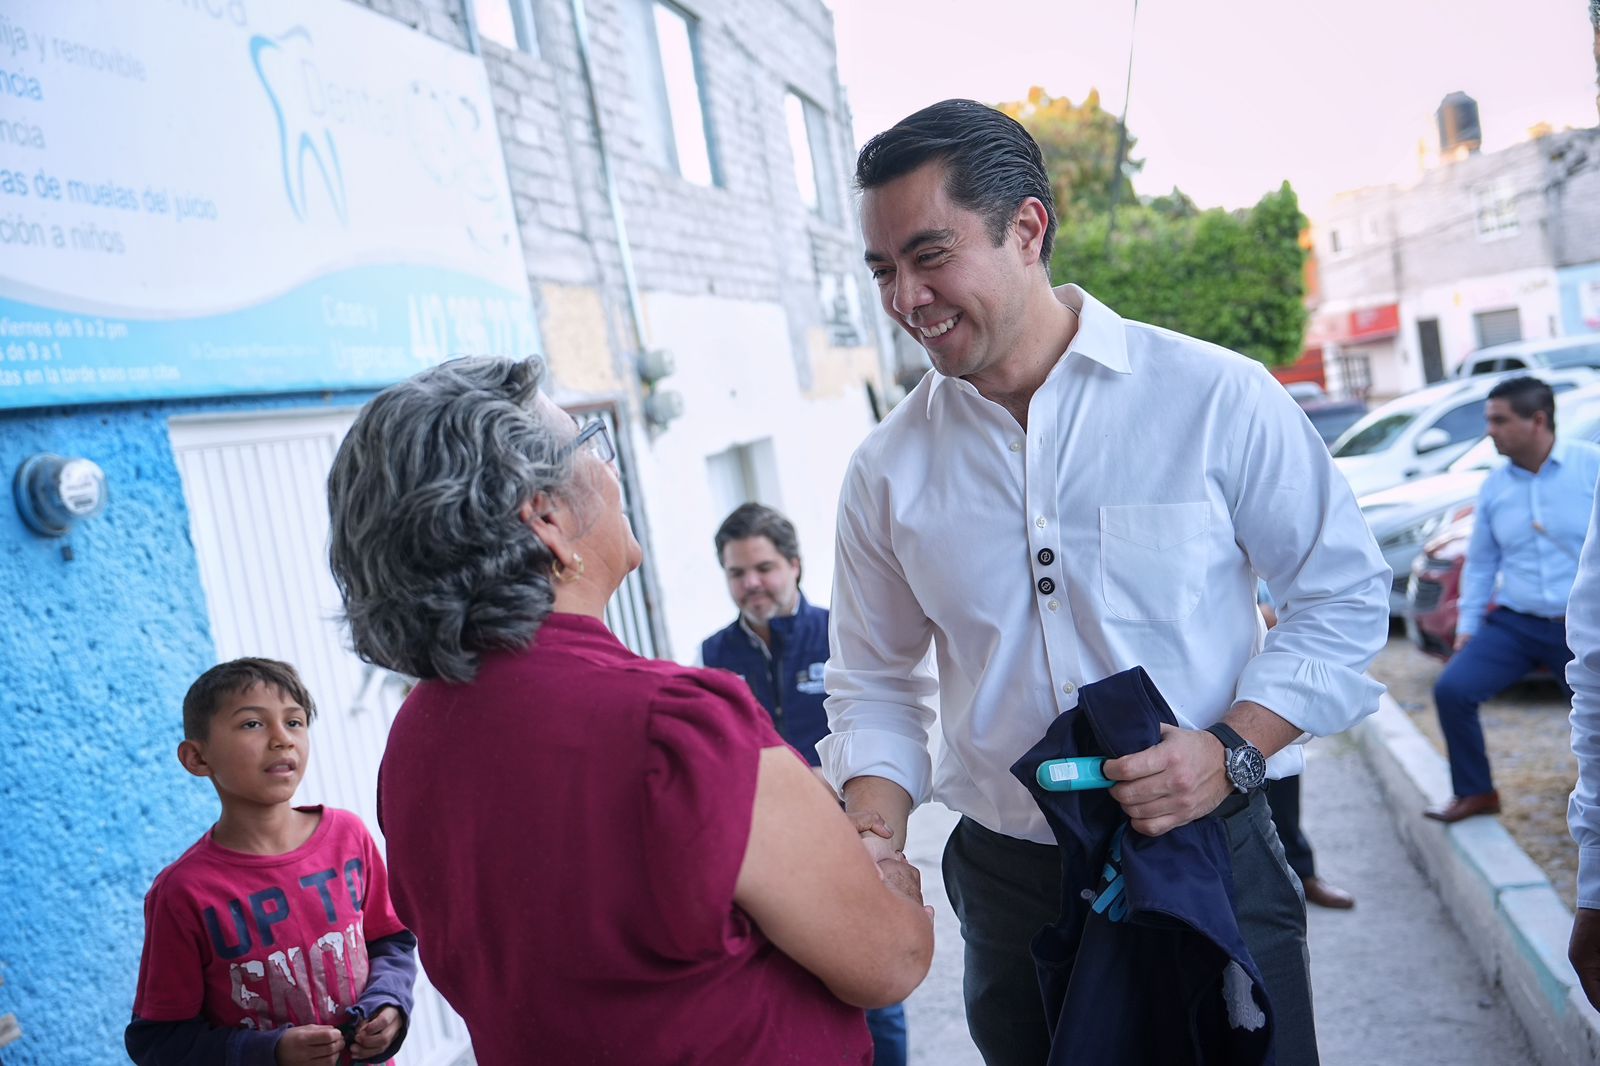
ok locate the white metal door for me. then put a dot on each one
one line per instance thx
(258, 515)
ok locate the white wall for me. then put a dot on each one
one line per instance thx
(1533, 292)
(737, 377)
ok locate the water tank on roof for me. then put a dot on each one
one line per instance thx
(1458, 125)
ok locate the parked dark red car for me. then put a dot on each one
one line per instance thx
(1434, 587)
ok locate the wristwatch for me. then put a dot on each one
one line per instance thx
(1246, 766)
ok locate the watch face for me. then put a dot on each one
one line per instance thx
(1247, 768)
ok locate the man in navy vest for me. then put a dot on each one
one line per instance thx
(779, 645)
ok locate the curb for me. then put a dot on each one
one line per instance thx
(1501, 900)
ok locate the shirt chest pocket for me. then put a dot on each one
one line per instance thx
(1153, 559)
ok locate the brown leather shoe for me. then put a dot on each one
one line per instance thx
(1461, 807)
(1323, 894)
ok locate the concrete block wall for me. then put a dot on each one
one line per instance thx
(1572, 171)
(748, 238)
(747, 242)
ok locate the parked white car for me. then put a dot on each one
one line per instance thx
(1552, 353)
(1424, 431)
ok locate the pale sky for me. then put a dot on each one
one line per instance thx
(1233, 96)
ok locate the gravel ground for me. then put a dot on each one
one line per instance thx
(1530, 751)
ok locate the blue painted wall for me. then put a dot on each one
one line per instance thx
(95, 656)
(1570, 280)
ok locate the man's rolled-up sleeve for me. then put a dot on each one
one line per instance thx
(1583, 674)
(881, 691)
(1298, 522)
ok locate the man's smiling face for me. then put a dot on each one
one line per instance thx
(941, 276)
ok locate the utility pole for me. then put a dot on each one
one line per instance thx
(1122, 128)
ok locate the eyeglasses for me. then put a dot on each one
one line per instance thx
(597, 439)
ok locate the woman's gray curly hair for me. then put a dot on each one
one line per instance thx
(428, 547)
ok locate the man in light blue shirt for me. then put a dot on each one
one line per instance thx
(1532, 514)
(1583, 812)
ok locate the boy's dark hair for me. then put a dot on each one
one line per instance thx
(232, 678)
(1527, 396)
(757, 520)
(992, 163)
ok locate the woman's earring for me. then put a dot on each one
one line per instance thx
(562, 575)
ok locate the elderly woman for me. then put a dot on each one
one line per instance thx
(604, 858)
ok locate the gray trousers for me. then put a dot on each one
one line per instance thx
(1005, 890)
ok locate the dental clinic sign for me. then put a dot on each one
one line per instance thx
(201, 197)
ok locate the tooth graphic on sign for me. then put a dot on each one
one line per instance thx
(287, 69)
(455, 145)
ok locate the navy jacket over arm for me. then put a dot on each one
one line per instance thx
(789, 682)
(1151, 966)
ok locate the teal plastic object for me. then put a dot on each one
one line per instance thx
(1073, 775)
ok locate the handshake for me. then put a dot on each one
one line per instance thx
(902, 878)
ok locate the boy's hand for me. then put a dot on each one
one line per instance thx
(310, 1045)
(376, 1034)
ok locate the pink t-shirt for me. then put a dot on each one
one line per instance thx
(264, 941)
(564, 837)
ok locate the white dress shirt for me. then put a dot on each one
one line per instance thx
(1583, 674)
(1157, 476)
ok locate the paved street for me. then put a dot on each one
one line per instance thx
(1394, 979)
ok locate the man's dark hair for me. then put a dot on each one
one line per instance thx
(1527, 397)
(204, 697)
(991, 162)
(757, 520)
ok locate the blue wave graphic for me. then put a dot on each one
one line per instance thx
(359, 328)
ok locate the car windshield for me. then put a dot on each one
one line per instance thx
(1582, 355)
(1379, 429)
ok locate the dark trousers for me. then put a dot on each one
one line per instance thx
(1506, 647)
(1284, 799)
(1005, 890)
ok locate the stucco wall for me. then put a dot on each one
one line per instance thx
(95, 656)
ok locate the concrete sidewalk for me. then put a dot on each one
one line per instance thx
(1395, 982)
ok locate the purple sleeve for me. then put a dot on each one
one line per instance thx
(392, 973)
(198, 1043)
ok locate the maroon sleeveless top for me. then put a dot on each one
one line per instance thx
(564, 833)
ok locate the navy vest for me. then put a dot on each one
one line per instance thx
(789, 684)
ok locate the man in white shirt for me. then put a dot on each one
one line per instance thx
(1583, 810)
(1067, 496)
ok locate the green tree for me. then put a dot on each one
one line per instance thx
(1079, 142)
(1234, 278)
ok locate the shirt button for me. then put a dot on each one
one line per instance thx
(1068, 687)
(1016, 445)
(1046, 556)
(1039, 521)
(1053, 604)
(1046, 586)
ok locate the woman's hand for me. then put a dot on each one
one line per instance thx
(853, 919)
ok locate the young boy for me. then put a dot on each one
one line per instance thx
(272, 940)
